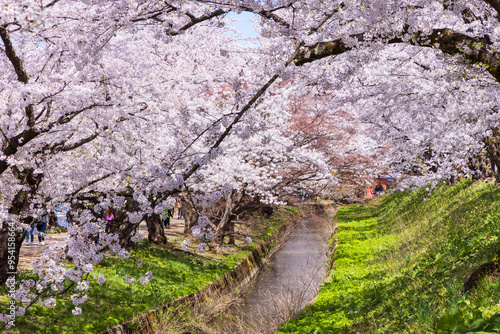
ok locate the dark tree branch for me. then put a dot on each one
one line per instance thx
(326, 18)
(79, 143)
(74, 193)
(72, 114)
(43, 68)
(30, 114)
(16, 142)
(269, 14)
(17, 63)
(446, 40)
(195, 20)
(13, 57)
(52, 3)
(153, 15)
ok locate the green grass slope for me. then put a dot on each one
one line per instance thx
(401, 264)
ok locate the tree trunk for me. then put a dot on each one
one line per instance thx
(124, 229)
(493, 151)
(20, 205)
(122, 226)
(483, 166)
(9, 251)
(232, 204)
(218, 242)
(230, 232)
(189, 214)
(52, 219)
(155, 230)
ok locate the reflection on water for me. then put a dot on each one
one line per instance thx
(288, 281)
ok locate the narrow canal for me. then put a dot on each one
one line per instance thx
(286, 284)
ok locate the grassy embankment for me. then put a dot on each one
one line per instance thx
(401, 263)
(175, 274)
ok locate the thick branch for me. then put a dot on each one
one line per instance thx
(447, 40)
(14, 143)
(74, 193)
(52, 3)
(79, 143)
(62, 146)
(26, 136)
(195, 20)
(13, 57)
(268, 14)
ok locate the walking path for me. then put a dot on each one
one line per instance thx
(33, 251)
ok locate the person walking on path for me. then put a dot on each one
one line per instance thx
(30, 233)
(178, 206)
(41, 225)
(109, 218)
(108, 223)
(166, 221)
(61, 214)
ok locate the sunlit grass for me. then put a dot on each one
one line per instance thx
(402, 260)
(175, 274)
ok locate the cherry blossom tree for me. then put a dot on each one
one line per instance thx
(83, 114)
(75, 117)
(134, 100)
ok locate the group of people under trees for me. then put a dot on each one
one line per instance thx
(108, 220)
(38, 228)
(42, 221)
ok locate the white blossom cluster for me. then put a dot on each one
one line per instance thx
(185, 245)
(203, 231)
(26, 13)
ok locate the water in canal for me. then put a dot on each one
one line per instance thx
(285, 285)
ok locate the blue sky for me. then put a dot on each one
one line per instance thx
(245, 26)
